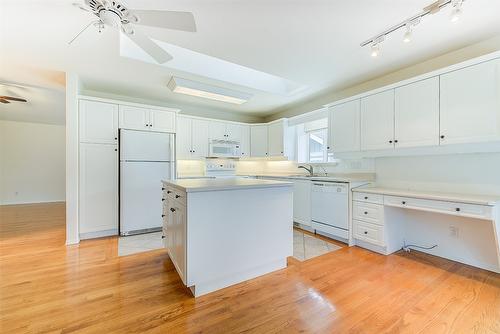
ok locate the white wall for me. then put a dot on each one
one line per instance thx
(477, 173)
(32, 163)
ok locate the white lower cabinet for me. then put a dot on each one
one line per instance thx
(302, 202)
(98, 193)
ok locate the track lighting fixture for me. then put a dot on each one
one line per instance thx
(410, 23)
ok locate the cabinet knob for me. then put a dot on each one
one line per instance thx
(169, 192)
(282, 152)
(390, 141)
(366, 212)
(403, 202)
(366, 232)
(163, 237)
(116, 150)
(172, 209)
(162, 216)
(163, 189)
(162, 199)
(457, 209)
(177, 196)
(396, 141)
(442, 136)
(328, 147)
(366, 197)
(116, 138)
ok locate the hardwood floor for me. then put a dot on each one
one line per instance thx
(46, 287)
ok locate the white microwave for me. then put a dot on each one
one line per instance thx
(224, 149)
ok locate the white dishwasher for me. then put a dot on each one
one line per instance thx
(330, 208)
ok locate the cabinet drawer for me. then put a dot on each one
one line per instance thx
(451, 208)
(368, 212)
(370, 198)
(369, 232)
(172, 194)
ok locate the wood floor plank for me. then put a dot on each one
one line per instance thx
(48, 287)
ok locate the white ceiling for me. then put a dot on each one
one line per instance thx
(310, 42)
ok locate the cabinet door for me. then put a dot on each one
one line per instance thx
(245, 141)
(180, 239)
(162, 121)
(98, 188)
(470, 104)
(416, 114)
(344, 129)
(217, 130)
(134, 118)
(234, 132)
(276, 137)
(258, 140)
(98, 122)
(200, 130)
(183, 138)
(302, 202)
(377, 121)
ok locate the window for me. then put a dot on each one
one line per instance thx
(317, 146)
(312, 141)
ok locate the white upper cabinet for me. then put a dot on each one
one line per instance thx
(217, 130)
(98, 190)
(192, 138)
(183, 138)
(98, 122)
(245, 141)
(134, 118)
(470, 104)
(200, 132)
(416, 114)
(137, 118)
(234, 132)
(258, 140)
(162, 121)
(344, 127)
(276, 137)
(377, 121)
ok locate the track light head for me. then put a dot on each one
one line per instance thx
(456, 12)
(408, 33)
(375, 50)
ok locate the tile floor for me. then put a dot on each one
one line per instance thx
(139, 243)
(305, 246)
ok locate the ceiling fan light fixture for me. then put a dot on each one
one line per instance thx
(198, 89)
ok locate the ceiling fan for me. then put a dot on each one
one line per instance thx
(116, 15)
(6, 99)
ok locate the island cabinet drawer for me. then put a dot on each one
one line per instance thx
(371, 233)
(368, 212)
(450, 208)
(370, 198)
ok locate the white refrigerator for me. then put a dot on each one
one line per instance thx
(146, 158)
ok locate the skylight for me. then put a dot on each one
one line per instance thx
(200, 64)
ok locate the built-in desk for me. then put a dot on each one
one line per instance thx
(380, 223)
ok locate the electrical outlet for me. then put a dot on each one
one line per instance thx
(454, 231)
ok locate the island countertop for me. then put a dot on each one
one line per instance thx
(199, 185)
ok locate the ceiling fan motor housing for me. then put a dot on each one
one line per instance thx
(111, 13)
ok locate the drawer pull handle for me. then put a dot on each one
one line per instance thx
(457, 209)
(172, 209)
(162, 199)
(169, 192)
(366, 197)
(177, 196)
(163, 237)
(366, 212)
(403, 202)
(366, 232)
(162, 188)
(162, 216)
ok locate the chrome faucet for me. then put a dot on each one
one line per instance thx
(310, 169)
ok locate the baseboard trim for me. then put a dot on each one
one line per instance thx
(99, 234)
(38, 202)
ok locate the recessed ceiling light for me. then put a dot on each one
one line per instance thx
(198, 89)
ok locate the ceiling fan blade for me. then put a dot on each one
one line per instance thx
(82, 7)
(4, 101)
(166, 19)
(13, 98)
(150, 47)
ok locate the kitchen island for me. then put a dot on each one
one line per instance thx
(219, 232)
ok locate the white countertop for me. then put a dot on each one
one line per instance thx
(433, 195)
(198, 185)
(337, 177)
